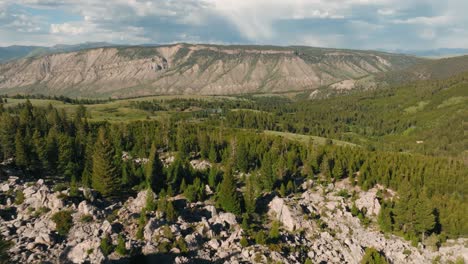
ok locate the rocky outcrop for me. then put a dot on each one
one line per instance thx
(316, 224)
(191, 69)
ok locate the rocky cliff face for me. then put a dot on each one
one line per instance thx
(191, 69)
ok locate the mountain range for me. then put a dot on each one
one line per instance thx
(106, 70)
(191, 69)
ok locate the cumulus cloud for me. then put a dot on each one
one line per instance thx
(332, 23)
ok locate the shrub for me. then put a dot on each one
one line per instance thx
(106, 246)
(121, 249)
(141, 225)
(87, 218)
(41, 211)
(343, 193)
(274, 232)
(63, 221)
(244, 242)
(260, 238)
(182, 245)
(372, 256)
(164, 247)
(19, 197)
(60, 187)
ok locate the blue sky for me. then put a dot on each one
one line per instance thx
(361, 24)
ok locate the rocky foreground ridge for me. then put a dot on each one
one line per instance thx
(209, 235)
(191, 69)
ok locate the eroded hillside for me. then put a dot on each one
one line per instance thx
(191, 69)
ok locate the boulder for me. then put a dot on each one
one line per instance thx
(279, 210)
(369, 201)
(135, 205)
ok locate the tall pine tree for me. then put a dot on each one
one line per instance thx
(105, 178)
(227, 196)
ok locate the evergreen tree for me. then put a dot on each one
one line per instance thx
(105, 177)
(384, 218)
(267, 175)
(227, 195)
(86, 176)
(337, 170)
(170, 212)
(52, 151)
(325, 168)
(250, 195)
(154, 170)
(274, 231)
(7, 135)
(21, 154)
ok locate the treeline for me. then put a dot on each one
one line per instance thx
(45, 141)
(61, 98)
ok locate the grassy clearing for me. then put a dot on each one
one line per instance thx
(416, 108)
(306, 138)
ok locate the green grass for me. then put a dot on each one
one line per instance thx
(306, 138)
(416, 108)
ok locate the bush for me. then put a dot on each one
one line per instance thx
(244, 242)
(60, 187)
(121, 249)
(87, 218)
(343, 193)
(182, 245)
(372, 256)
(19, 197)
(260, 238)
(41, 211)
(63, 221)
(106, 246)
(4, 247)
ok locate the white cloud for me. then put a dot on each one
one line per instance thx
(66, 28)
(386, 12)
(337, 23)
(430, 21)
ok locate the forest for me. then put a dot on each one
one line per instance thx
(46, 141)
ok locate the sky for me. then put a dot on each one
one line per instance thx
(359, 24)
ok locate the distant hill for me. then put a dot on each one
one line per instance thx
(434, 69)
(18, 52)
(190, 69)
(434, 53)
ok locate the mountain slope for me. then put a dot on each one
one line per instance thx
(192, 69)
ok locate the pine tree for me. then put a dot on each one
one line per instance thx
(52, 151)
(384, 218)
(21, 154)
(170, 212)
(325, 168)
(86, 175)
(250, 195)
(154, 169)
(425, 219)
(228, 196)
(267, 175)
(105, 177)
(213, 155)
(7, 135)
(274, 231)
(337, 170)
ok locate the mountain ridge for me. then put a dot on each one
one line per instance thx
(192, 69)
